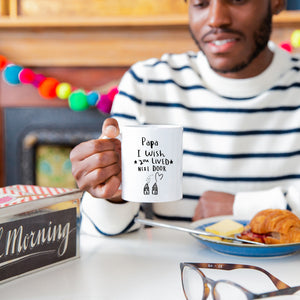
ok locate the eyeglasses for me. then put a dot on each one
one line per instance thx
(196, 285)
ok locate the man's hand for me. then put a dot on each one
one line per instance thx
(96, 164)
(213, 204)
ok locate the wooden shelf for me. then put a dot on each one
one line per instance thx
(30, 22)
(286, 17)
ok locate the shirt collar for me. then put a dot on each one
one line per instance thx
(249, 87)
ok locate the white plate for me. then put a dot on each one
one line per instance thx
(241, 249)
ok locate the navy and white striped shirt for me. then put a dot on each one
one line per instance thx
(239, 134)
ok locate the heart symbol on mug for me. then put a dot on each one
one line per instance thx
(158, 176)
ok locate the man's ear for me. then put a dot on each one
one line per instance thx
(278, 6)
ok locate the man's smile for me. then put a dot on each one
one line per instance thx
(222, 45)
(222, 42)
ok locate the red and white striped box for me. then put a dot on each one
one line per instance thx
(39, 227)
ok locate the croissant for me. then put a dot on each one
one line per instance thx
(273, 226)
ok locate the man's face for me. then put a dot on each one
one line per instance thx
(233, 34)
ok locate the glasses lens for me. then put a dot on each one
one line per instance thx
(227, 291)
(192, 284)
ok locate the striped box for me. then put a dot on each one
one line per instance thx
(39, 227)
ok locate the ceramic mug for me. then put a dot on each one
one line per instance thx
(151, 163)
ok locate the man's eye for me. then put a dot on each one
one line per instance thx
(238, 1)
(201, 4)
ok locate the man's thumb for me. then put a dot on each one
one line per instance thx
(110, 128)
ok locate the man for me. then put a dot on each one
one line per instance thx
(237, 101)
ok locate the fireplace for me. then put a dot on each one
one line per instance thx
(38, 142)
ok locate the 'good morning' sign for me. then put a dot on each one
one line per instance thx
(37, 241)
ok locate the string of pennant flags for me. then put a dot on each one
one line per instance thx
(80, 99)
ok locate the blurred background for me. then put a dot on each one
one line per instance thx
(88, 44)
(293, 4)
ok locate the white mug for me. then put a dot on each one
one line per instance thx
(151, 163)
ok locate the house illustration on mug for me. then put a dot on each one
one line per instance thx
(154, 185)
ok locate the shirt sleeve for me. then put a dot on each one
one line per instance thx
(100, 215)
(106, 218)
(293, 200)
(129, 104)
(247, 204)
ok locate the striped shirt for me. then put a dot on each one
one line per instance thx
(239, 134)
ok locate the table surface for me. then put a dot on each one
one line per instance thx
(141, 265)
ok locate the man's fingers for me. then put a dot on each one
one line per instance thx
(98, 176)
(109, 189)
(92, 147)
(95, 161)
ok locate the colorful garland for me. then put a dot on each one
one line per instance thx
(294, 41)
(80, 99)
(49, 88)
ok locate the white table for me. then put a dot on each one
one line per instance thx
(140, 265)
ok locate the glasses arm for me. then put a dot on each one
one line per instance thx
(228, 267)
(288, 291)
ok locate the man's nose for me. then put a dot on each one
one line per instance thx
(219, 14)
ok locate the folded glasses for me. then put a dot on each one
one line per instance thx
(196, 286)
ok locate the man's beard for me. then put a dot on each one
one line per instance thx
(261, 38)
